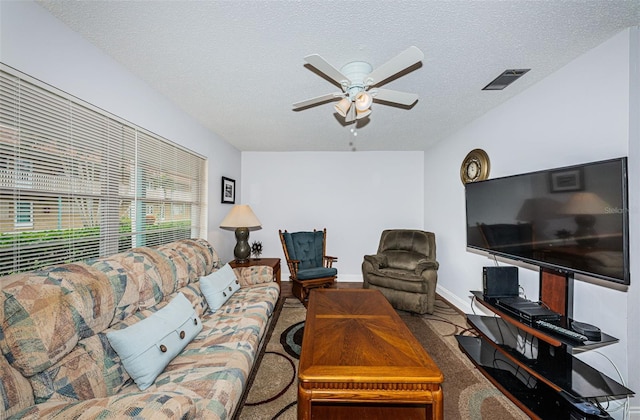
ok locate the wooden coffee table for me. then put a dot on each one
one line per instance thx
(359, 360)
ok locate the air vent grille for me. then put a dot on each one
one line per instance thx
(505, 79)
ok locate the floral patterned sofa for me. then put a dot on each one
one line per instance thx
(57, 359)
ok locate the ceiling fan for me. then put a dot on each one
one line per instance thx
(359, 83)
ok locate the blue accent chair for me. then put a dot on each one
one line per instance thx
(310, 267)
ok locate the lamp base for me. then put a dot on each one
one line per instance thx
(242, 249)
(585, 234)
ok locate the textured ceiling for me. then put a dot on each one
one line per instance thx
(237, 66)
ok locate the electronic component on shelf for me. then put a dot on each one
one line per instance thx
(590, 331)
(562, 331)
(526, 310)
(500, 282)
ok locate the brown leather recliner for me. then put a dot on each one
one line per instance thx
(405, 269)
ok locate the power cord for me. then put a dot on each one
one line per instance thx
(624, 406)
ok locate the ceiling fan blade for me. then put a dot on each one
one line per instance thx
(407, 58)
(321, 64)
(394, 96)
(318, 100)
(351, 114)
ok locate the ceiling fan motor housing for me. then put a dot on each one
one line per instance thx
(356, 72)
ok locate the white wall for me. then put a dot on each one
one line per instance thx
(579, 114)
(355, 195)
(36, 43)
(633, 319)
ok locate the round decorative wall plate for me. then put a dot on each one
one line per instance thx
(475, 166)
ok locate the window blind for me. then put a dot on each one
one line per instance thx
(77, 182)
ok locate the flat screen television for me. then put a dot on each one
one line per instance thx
(573, 219)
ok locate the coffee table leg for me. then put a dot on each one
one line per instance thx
(304, 404)
(437, 405)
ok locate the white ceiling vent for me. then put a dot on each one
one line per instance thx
(505, 79)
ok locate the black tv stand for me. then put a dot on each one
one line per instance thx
(537, 381)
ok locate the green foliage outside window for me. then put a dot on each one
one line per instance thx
(69, 245)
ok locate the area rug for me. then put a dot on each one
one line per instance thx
(467, 393)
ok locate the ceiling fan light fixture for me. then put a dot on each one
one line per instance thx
(363, 101)
(362, 114)
(343, 106)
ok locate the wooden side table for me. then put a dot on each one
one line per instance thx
(270, 262)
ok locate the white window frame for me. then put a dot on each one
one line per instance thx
(98, 167)
(19, 213)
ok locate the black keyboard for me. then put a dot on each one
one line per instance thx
(562, 331)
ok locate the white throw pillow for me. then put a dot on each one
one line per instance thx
(148, 346)
(218, 286)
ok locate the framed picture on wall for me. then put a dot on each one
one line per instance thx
(228, 191)
(566, 180)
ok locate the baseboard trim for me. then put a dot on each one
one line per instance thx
(465, 306)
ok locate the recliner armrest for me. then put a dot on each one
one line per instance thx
(426, 265)
(377, 260)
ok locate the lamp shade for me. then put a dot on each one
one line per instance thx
(240, 216)
(242, 219)
(343, 106)
(362, 114)
(585, 206)
(363, 101)
(536, 209)
(585, 203)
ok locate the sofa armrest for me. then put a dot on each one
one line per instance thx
(147, 405)
(257, 274)
(426, 265)
(377, 261)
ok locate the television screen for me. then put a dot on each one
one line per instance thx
(574, 219)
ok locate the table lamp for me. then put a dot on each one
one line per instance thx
(584, 206)
(241, 218)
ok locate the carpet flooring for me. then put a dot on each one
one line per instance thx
(468, 395)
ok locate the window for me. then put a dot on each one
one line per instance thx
(24, 214)
(177, 209)
(77, 182)
(24, 173)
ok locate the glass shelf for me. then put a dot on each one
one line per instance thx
(534, 397)
(552, 365)
(534, 367)
(546, 335)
